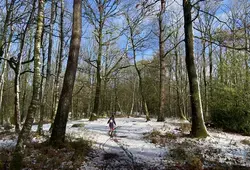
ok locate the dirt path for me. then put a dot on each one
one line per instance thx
(127, 149)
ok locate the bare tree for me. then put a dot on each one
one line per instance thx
(198, 125)
(136, 41)
(65, 101)
(48, 71)
(58, 69)
(163, 65)
(9, 10)
(98, 13)
(16, 162)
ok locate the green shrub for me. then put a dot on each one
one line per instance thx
(230, 110)
(233, 119)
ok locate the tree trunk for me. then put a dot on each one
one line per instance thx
(170, 113)
(59, 64)
(177, 68)
(3, 75)
(47, 86)
(17, 70)
(24, 87)
(5, 27)
(144, 106)
(40, 124)
(17, 102)
(133, 101)
(163, 66)
(98, 70)
(24, 134)
(46, 93)
(198, 125)
(204, 78)
(59, 129)
(210, 54)
(246, 59)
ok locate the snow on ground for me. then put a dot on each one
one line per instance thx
(128, 143)
(128, 149)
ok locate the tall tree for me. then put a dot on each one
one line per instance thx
(4, 74)
(24, 134)
(137, 37)
(17, 67)
(9, 10)
(59, 129)
(98, 13)
(198, 125)
(48, 71)
(163, 66)
(58, 69)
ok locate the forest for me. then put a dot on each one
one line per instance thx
(171, 78)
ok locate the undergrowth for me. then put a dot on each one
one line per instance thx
(70, 154)
(158, 138)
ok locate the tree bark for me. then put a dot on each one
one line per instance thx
(198, 125)
(5, 27)
(59, 64)
(163, 66)
(204, 77)
(3, 75)
(41, 93)
(24, 87)
(133, 100)
(48, 71)
(17, 71)
(177, 68)
(16, 162)
(44, 98)
(59, 129)
(98, 67)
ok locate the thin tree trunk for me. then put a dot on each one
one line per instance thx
(104, 99)
(204, 77)
(47, 88)
(24, 98)
(17, 115)
(59, 66)
(40, 124)
(55, 87)
(144, 106)
(246, 59)
(210, 54)
(5, 27)
(133, 101)
(17, 70)
(221, 66)
(16, 162)
(198, 125)
(3, 74)
(177, 67)
(59, 129)
(170, 113)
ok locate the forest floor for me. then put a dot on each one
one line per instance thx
(137, 144)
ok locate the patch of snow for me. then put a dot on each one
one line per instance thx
(7, 144)
(132, 149)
